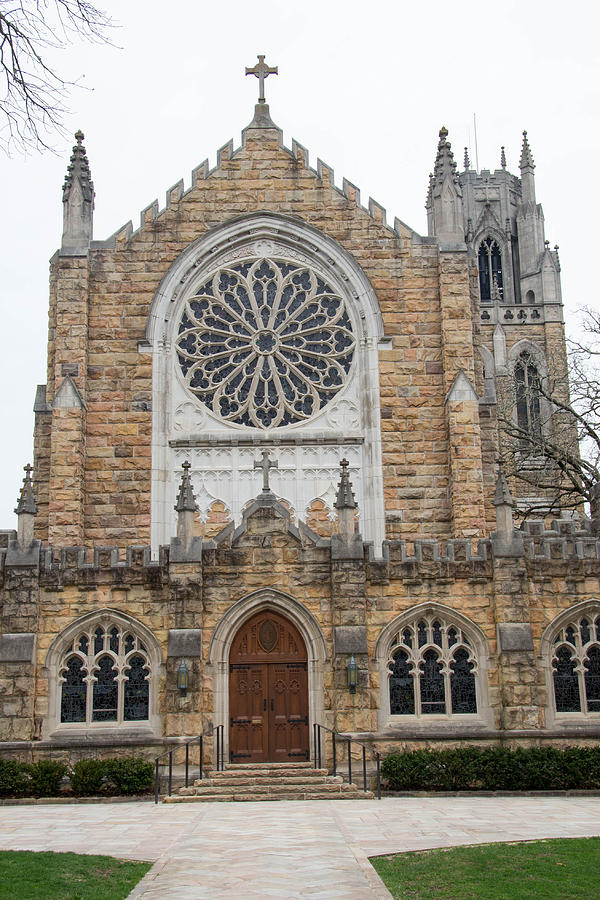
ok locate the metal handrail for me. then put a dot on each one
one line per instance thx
(336, 736)
(220, 763)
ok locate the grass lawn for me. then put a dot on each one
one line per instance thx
(25, 875)
(535, 870)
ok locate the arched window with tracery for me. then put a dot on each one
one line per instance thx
(104, 676)
(491, 285)
(576, 665)
(432, 669)
(527, 396)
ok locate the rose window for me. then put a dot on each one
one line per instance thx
(265, 343)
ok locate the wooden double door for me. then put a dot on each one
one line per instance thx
(268, 692)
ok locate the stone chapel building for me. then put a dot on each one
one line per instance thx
(267, 451)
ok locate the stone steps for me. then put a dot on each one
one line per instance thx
(268, 781)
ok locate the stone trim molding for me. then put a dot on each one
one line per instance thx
(53, 727)
(218, 654)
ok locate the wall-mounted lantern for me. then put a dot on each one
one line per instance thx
(183, 678)
(352, 672)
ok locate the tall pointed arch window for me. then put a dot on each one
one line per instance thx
(527, 396)
(576, 665)
(491, 285)
(432, 669)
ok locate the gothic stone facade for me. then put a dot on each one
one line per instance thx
(266, 309)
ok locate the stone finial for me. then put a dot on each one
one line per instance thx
(444, 200)
(526, 160)
(503, 502)
(345, 504)
(556, 256)
(444, 161)
(26, 502)
(502, 494)
(502, 158)
(78, 202)
(344, 498)
(186, 502)
(185, 508)
(26, 510)
(467, 161)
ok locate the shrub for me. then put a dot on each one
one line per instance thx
(14, 778)
(493, 769)
(130, 775)
(87, 777)
(45, 777)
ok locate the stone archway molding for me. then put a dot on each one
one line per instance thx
(381, 654)
(58, 647)
(218, 654)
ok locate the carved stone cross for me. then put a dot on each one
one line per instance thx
(265, 464)
(262, 71)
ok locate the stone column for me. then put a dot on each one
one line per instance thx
(348, 605)
(519, 690)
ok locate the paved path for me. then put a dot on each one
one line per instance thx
(285, 850)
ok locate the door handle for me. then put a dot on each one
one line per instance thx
(265, 705)
(272, 705)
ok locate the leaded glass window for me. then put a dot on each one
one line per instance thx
(74, 692)
(576, 666)
(402, 696)
(433, 669)
(106, 691)
(136, 690)
(433, 698)
(265, 343)
(105, 678)
(566, 682)
(462, 684)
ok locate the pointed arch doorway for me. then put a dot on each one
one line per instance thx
(268, 691)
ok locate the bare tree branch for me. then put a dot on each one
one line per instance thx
(33, 94)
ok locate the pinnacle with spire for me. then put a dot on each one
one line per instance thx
(444, 161)
(502, 495)
(344, 498)
(186, 502)
(526, 157)
(78, 203)
(444, 198)
(26, 502)
(502, 158)
(467, 161)
(79, 170)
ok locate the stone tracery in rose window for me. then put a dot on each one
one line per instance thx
(265, 343)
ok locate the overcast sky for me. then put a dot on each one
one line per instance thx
(364, 86)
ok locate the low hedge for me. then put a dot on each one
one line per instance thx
(112, 776)
(493, 769)
(88, 777)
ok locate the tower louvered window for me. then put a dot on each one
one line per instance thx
(432, 669)
(491, 285)
(527, 393)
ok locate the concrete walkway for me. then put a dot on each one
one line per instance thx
(284, 850)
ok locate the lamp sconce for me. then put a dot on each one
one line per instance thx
(352, 673)
(183, 678)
